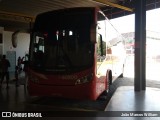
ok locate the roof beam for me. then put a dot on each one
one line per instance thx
(107, 3)
(25, 18)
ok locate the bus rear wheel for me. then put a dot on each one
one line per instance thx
(109, 80)
(104, 95)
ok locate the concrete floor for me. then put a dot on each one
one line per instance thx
(126, 104)
(126, 99)
(123, 100)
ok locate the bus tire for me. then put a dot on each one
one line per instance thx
(121, 75)
(109, 80)
(109, 74)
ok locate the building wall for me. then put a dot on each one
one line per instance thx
(22, 46)
(23, 43)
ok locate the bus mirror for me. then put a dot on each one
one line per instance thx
(101, 45)
(93, 33)
(15, 39)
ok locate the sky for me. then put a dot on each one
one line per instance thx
(127, 23)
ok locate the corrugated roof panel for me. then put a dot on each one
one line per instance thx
(34, 7)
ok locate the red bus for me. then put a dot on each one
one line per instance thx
(70, 55)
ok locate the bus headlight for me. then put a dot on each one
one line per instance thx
(84, 79)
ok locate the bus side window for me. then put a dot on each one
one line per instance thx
(35, 47)
(41, 44)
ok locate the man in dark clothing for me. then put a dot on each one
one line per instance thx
(5, 64)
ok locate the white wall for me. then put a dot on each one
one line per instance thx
(22, 46)
(6, 41)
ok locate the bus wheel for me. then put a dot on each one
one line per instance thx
(109, 77)
(109, 80)
(108, 87)
(121, 76)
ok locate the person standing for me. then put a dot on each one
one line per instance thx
(19, 64)
(25, 68)
(5, 73)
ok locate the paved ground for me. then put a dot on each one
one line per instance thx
(15, 98)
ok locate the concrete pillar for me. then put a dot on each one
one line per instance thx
(140, 45)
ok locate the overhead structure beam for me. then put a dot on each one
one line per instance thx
(16, 16)
(107, 3)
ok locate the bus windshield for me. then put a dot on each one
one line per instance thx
(62, 47)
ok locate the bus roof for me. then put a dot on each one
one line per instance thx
(70, 17)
